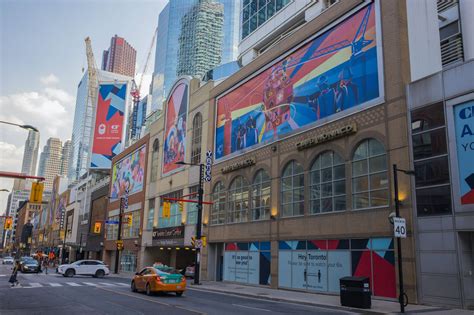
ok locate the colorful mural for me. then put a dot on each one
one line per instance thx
(175, 127)
(334, 72)
(107, 141)
(128, 174)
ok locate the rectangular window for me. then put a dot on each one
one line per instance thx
(112, 229)
(133, 230)
(151, 214)
(191, 208)
(175, 214)
(433, 191)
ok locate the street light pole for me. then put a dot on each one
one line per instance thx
(402, 294)
(27, 127)
(117, 251)
(199, 225)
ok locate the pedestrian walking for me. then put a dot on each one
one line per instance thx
(13, 278)
(45, 265)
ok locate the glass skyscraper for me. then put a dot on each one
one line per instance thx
(167, 43)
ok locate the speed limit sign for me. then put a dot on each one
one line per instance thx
(399, 227)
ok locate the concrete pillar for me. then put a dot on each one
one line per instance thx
(466, 9)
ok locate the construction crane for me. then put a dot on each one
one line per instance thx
(135, 90)
(93, 83)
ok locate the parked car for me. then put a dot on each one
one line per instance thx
(8, 260)
(151, 280)
(95, 268)
(189, 271)
(29, 265)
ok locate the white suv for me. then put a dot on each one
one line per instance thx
(95, 268)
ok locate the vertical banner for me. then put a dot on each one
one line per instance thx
(175, 127)
(109, 121)
(464, 125)
(334, 72)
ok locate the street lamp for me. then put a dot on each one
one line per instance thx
(199, 218)
(399, 243)
(27, 127)
(4, 190)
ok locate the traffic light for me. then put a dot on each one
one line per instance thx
(181, 206)
(36, 194)
(97, 227)
(8, 223)
(128, 220)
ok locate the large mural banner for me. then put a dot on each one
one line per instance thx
(332, 73)
(107, 141)
(175, 127)
(128, 174)
(464, 125)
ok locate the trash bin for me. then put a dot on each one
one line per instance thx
(355, 292)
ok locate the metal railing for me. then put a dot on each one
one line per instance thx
(452, 50)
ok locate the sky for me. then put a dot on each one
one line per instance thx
(42, 54)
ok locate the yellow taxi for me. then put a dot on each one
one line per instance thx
(155, 279)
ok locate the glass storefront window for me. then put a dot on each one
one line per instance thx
(128, 261)
(292, 190)
(261, 196)
(327, 190)
(175, 214)
(433, 200)
(218, 206)
(238, 200)
(191, 208)
(369, 175)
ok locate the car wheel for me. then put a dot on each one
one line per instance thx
(133, 287)
(179, 293)
(99, 274)
(70, 273)
(148, 290)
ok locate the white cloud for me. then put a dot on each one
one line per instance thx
(50, 110)
(49, 79)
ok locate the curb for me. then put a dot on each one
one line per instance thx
(327, 306)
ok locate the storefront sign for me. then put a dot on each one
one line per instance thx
(464, 125)
(207, 174)
(331, 135)
(168, 233)
(238, 165)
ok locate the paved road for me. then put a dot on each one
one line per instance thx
(53, 294)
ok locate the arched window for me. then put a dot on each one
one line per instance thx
(328, 183)
(292, 190)
(261, 196)
(369, 175)
(154, 160)
(196, 139)
(218, 206)
(238, 200)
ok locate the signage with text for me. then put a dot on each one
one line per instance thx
(168, 233)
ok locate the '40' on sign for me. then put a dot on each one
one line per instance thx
(400, 227)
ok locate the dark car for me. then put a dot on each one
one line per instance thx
(29, 265)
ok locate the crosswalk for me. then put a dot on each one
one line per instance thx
(32, 285)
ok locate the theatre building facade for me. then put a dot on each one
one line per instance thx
(304, 138)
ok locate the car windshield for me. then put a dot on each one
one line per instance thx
(30, 261)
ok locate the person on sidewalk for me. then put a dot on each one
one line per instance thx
(45, 265)
(13, 278)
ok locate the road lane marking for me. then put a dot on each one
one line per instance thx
(152, 301)
(73, 284)
(55, 284)
(35, 285)
(90, 283)
(107, 284)
(123, 284)
(253, 308)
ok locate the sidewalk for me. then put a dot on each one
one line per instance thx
(330, 301)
